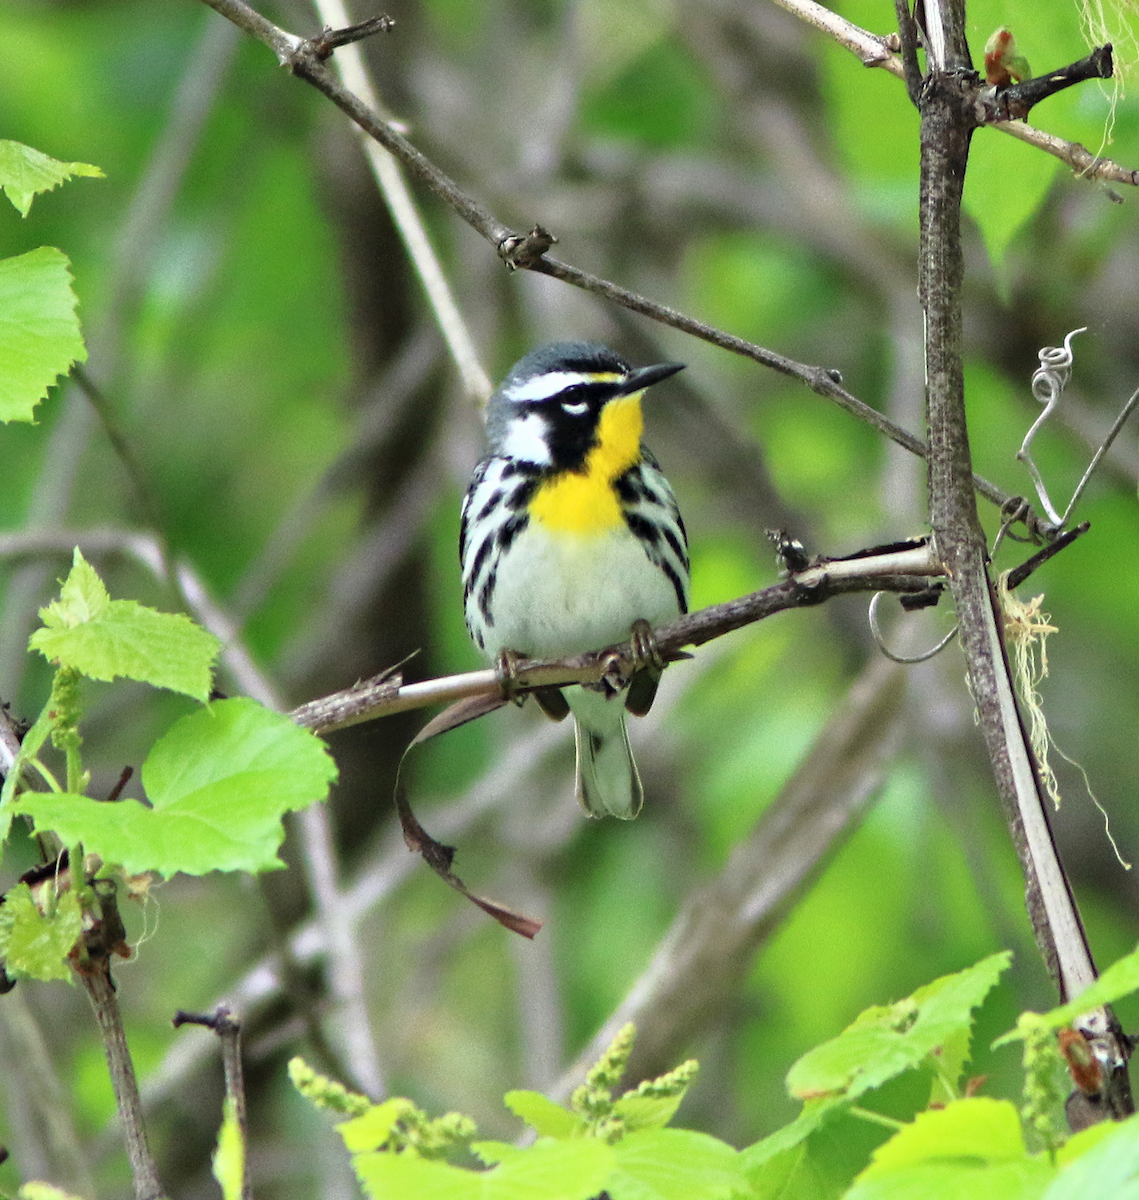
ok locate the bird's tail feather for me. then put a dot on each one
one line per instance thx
(607, 780)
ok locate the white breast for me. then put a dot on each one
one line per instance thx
(566, 594)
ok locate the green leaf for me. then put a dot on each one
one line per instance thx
(884, 1042)
(1119, 980)
(976, 1128)
(675, 1164)
(229, 1157)
(575, 1170)
(790, 1175)
(492, 1153)
(970, 1148)
(814, 1114)
(881, 1043)
(219, 781)
(1022, 1180)
(103, 638)
(39, 329)
(34, 946)
(44, 1191)
(387, 1176)
(1006, 184)
(1109, 1168)
(542, 1114)
(25, 172)
(646, 1112)
(372, 1128)
(950, 1066)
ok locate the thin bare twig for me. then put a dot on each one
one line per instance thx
(1104, 447)
(349, 63)
(529, 251)
(96, 979)
(228, 1029)
(330, 39)
(1017, 100)
(1083, 162)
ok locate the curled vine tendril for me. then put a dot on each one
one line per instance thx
(1048, 383)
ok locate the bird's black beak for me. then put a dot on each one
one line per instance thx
(644, 377)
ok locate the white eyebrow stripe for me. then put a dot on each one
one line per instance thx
(543, 387)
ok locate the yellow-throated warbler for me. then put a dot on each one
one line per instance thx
(570, 535)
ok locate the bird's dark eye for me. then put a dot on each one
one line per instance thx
(573, 402)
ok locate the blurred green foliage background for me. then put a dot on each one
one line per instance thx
(302, 442)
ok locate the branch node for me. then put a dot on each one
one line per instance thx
(1019, 574)
(221, 1020)
(329, 39)
(790, 553)
(1017, 100)
(524, 252)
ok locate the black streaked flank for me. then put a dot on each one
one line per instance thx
(678, 585)
(523, 494)
(647, 531)
(509, 530)
(492, 502)
(631, 487)
(677, 543)
(480, 558)
(485, 594)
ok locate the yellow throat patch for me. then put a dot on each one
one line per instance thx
(584, 501)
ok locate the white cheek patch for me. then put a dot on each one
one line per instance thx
(526, 439)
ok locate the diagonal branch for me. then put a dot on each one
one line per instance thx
(409, 223)
(528, 251)
(902, 571)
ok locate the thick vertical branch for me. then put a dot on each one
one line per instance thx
(946, 104)
(946, 128)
